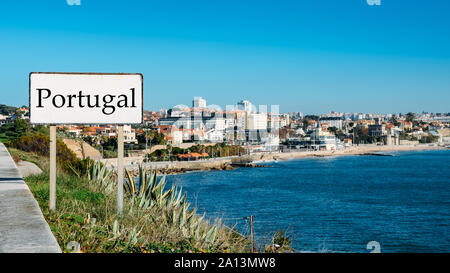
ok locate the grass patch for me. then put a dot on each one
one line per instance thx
(86, 214)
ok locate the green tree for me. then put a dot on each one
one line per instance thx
(307, 120)
(311, 117)
(410, 117)
(395, 121)
(429, 139)
(110, 143)
(7, 110)
(15, 129)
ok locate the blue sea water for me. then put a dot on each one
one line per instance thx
(335, 204)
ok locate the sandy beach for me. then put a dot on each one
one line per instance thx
(353, 150)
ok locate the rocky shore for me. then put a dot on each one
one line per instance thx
(201, 165)
(257, 160)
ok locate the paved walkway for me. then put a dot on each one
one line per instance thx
(22, 225)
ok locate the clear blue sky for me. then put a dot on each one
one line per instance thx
(304, 55)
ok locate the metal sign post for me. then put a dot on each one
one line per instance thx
(52, 201)
(120, 169)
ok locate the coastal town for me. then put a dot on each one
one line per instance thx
(200, 131)
(225, 136)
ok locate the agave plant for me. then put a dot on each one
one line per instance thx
(191, 225)
(98, 173)
(118, 231)
(147, 191)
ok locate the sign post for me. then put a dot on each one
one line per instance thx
(86, 98)
(120, 169)
(52, 199)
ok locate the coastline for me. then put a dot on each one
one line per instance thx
(331, 192)
(258, 159)
(354, 150)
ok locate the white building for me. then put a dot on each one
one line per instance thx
(74, 131)
(107, 131)
(299, 132)
(177, 136)
(216, 122)
(276, 121)
(229, 121)
(3, 119)
(323, 140)
(198, 102)
(245, 105)
(214, 135)
(256, 121)
(332, 122)
(241, 120)
(271, 141)
(129, 135)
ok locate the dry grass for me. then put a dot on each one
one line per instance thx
(41, 162)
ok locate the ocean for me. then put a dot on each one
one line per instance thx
(335, 204)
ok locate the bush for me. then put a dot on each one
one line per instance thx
(40, 145)
(429, 139)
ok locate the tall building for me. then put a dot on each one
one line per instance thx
(198, 102)
(244, 105)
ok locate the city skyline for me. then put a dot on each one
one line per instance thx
(265, 108)
(348, 56)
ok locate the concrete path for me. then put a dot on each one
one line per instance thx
(22, 225)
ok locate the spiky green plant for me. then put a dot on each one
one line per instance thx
(148, 192)
(98, 173)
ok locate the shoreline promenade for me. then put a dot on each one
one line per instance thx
(22, 225)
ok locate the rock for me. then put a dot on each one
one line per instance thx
(228, 167)
(28, 168)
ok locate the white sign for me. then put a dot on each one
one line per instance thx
(86, 98)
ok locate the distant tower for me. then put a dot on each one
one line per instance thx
(389, 138)
(244, 105)
(198, 102)
(163, 112)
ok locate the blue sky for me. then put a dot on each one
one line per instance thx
(304, 55)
